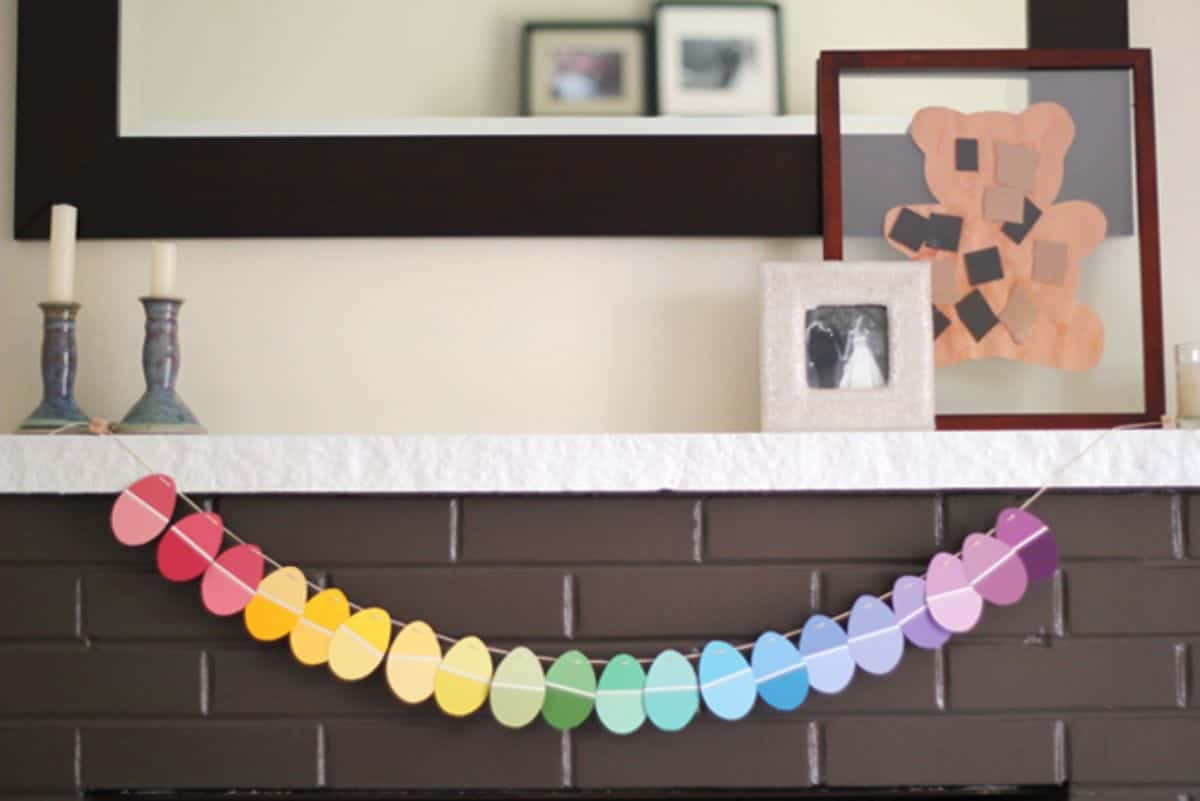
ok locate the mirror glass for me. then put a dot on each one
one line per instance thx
(1053, 323)
(444, 67)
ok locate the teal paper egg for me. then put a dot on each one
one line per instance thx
(672, 697)
(726, 681)
(619, 703)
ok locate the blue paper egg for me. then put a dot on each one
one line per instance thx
(726, 681)
(779, 672)
(826, 650)
(672, 697)
(876, 642)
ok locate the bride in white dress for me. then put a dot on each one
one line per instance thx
(859, 368)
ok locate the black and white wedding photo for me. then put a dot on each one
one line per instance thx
(846, 347)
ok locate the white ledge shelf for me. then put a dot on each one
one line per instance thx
(633, 463)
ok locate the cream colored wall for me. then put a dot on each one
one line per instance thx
(479, 335)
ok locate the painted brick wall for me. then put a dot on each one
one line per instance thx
(112, 678)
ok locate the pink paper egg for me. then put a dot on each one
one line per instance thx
(189, 546)
(952, 601)
(994, 570)
(230, 581)
(142, 511)
(1031, 539)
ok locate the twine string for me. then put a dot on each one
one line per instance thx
(101, 428)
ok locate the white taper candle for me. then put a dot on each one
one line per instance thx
(162, 270)
(62, 253)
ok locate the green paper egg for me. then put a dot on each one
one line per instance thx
(570, 691)
(518, 689)
(672, 694)
(619, 695)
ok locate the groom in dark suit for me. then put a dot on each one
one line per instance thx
(824, 356)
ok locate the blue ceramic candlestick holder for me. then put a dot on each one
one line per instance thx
(59, 362)
(160, 410)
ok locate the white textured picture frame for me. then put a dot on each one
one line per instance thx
(790, 291)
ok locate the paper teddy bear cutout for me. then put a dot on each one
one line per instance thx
(1005, 258)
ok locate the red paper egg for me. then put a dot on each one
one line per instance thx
(231, 581)
(189, 546)
(142, 511)
(952, 601)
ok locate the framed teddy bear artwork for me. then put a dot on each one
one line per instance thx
(1024, 181)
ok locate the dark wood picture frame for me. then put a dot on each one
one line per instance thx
(68, 150)
(781, 75)
(643, 29)
(831, 68)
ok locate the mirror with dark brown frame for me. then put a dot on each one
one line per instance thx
(683, 177)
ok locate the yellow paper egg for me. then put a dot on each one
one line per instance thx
(412, 663)
(277, 605)
(462, 680)
(358, 646)
(323, 613)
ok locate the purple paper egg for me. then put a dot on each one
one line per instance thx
(952, 601)
(1031, 539)
(825, 648)
(994, 570)
(876, 642)
(908, 602)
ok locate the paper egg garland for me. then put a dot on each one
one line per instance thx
(1031, 539)
(779, 672)
(461, 685)
(994, 570)
(189, 547)
(726, 681)
(924, 611)
(951, 600)
(825, 648)
(518, 689)
(672, 696)
(277, 605)
(570, 691)
(322, 615)
(619, 695)
(230, 581)
(412, 663)
(919, 627)
(358, 645)
(142, 511)
(876, 642)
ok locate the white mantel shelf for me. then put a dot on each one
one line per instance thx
(633, 463)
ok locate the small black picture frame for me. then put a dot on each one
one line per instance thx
(640, 83)
(771, 103)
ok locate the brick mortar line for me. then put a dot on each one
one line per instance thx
(1183, 664)
(322, 757)
(1062, 752)
(567, 764)
(816, 754)
(77, 758)
(1179, 543)
(455, 533)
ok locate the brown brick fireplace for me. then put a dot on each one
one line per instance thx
(114, 680)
